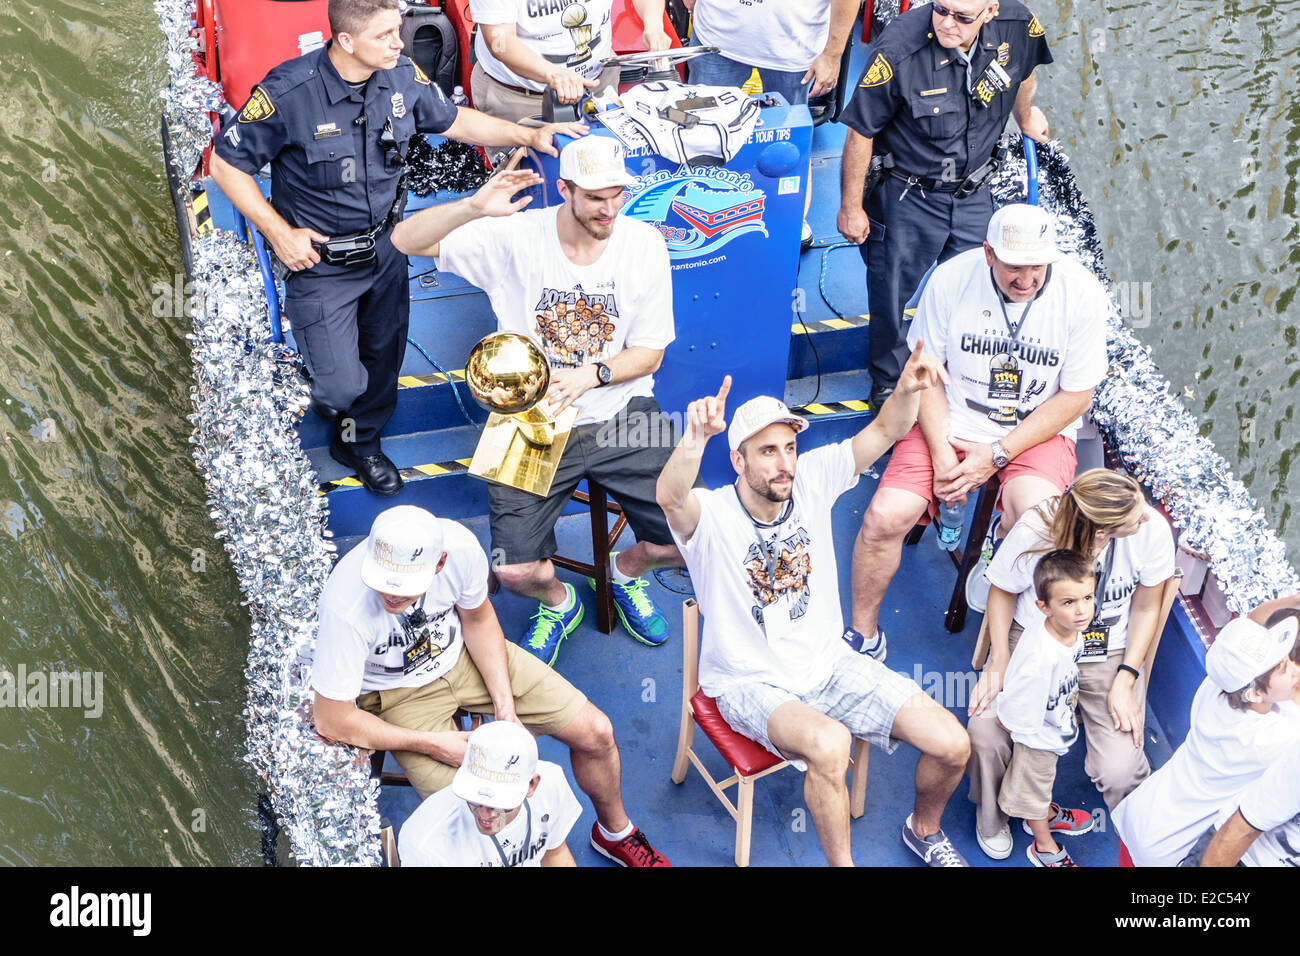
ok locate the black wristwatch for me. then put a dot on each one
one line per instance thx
(603, 374)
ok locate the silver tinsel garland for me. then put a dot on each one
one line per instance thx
(263, 497)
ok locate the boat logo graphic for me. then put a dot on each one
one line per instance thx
(698, 209)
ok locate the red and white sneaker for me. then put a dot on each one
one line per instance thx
(633, 850)
(1066, 822)
(1039, 858)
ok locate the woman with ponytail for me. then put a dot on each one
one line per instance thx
(1103, 516)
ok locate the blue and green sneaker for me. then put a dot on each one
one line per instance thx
(549, 628)
(638, 613)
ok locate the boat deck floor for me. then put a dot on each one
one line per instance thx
(640, 689)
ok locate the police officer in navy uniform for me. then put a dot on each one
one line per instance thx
(334, 125)
(939, 85)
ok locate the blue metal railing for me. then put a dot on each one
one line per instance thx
(1031, 170)
(244, 227)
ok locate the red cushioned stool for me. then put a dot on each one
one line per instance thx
(747, 759)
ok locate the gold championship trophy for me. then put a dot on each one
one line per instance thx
(508, 374)
(574, 19)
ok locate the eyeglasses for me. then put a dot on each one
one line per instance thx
(942, 12)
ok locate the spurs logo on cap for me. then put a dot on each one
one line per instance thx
(476, 759)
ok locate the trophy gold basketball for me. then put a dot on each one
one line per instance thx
(508, 374)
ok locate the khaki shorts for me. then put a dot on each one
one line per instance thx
(544, 701)
(1027, 788)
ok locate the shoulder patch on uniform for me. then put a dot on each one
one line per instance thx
(878, 74)
(1035, 28)
(420, 76)
(258, 107)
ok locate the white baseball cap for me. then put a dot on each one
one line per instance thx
(1023, 235)
(756, 414)
(595, 162)
(402, 551)
(1244, 650)
(500, 760)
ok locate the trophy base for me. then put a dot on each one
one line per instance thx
(522, 451)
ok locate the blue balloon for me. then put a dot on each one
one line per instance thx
(778, 159)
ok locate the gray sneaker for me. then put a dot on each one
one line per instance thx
(935, 850)
(876, 647)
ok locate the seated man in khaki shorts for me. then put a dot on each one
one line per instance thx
(396, 615)
(524, 46)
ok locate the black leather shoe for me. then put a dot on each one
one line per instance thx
(878, 395)
(376, 471)
(324, 412)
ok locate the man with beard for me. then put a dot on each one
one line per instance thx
(573, 256)
(775, 664)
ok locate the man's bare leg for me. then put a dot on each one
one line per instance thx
(534, 579)
(644, 556)
(945, 749)
(878, 550)
(824, 744)
(1022, 494)
(593, 754)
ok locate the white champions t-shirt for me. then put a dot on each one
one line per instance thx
(361, 647)
(1224, 752)
(784, 35)
(441, 831)
(1041, 692)
(579, 314)
(1145, 558)
(771, 614)
(574, 36)
(1062, 343)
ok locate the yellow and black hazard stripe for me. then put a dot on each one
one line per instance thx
(837, 324)
(832, 408)
(829, 325)
(434, 378)
(202, 214)
(419, 471)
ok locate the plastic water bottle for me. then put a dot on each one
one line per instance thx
(458, 97)
(951, 515)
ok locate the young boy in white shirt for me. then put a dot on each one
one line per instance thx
(1037, 704)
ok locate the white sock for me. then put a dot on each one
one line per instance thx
(615, 574)
(622, 834)
(565, 604)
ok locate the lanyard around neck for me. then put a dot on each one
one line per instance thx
(769, 555)
(1102, 578)
(528, 835)
(1014, 330)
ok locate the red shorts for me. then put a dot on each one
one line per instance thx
(910, 468)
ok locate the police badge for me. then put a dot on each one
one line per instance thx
(399, 106)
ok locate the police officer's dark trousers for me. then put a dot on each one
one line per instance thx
(910, 231)
(350, 325)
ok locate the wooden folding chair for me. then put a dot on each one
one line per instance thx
(748, 760)
(603, 539)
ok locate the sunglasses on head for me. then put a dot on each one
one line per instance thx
(942, 12)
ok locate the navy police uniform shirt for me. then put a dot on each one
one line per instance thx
(914, 100)
(321, 137)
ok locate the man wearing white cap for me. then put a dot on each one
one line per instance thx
(594, 289)
(763, 565)
(1242, 720)
(1022, 333)
(504, 808)
(408, 636)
